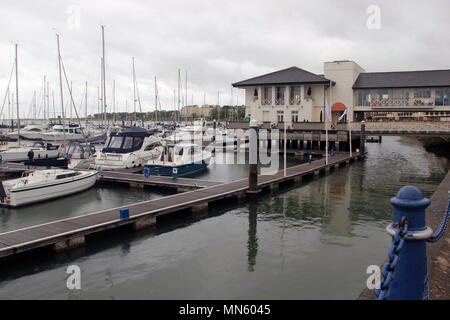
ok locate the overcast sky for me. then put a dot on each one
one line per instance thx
(216, 42)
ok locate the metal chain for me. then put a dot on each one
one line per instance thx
(394, 256)
(442, 227)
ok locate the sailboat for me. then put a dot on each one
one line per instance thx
(21, 152)
(41, 185)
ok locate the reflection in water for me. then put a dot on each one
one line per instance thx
(330, 228)
(252, 243)
(339, 223)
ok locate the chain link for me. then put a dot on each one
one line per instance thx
(388, 270)
(442, 227)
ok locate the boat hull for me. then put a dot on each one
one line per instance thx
(181, 169)
(25, 196)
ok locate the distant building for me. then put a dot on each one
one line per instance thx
(199, 111)
(296, 95)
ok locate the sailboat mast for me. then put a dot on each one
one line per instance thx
(61, 91)
(114, 101)
(85, 103)
(186, 100)
(156, 102)
(17, 96)
(134, 92)
(179, 89)
(104, 73)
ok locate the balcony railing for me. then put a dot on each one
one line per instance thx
(267, 101)
(279, 101)
(402, 102)
(293, 101)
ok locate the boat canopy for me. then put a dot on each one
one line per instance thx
(78, 149)
(126, 141)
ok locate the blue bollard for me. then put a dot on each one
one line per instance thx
(124, 213)
(410, 279)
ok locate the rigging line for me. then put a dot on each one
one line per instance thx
(71, 98)
(7, 88)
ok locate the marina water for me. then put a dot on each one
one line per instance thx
(308, 242)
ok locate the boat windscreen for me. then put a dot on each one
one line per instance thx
(123, 144)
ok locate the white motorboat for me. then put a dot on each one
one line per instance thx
(41, 185)
(179, 159)
(128, 149)
(31, 132)
(72, 133)
(19, 154)
(190, 133)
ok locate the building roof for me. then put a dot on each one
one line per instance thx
(292, 75)
(403, 79)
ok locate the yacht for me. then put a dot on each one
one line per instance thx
(31, 132)
(179, 159)
(128, 149)
(72, 132)
(42, 153)
(41, 185)
(190, 133)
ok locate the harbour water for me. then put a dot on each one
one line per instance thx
(308, 242)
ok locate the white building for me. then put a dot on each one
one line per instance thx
(296, 95)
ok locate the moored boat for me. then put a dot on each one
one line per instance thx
(128, 149)
(41, 185)
(179, 159)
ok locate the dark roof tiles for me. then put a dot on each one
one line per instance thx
(292, 75)
(404, 79)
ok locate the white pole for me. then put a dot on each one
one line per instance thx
(285, 139)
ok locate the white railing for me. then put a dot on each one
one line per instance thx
(402, 102)
(425, 127)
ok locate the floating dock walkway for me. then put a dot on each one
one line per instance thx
(70, 233)
(137, 180)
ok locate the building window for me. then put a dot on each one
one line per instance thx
(442, 97)
(255, 93)
(294, 115)
(280, 116)
(267, 95)
(279, 95)
(422, 97)
(294, 95)
(422, 93)
(364, 98)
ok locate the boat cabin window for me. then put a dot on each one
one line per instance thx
(35, 130)
(78, 131)
(137, 141)
(115, 142)
(152, 146)
(178, 151)
(128, 143)
(67, 175)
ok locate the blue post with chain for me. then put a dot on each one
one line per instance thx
(405, 275)
(411, 277)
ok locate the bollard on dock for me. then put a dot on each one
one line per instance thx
(405, 274)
